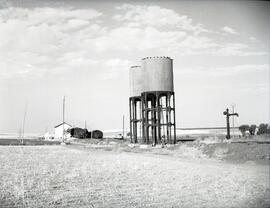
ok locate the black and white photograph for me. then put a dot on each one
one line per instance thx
(134, 103)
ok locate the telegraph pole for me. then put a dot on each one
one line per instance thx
(123, 126)
(24, 117)
(233, 106)
(228, 136)
(64, 99)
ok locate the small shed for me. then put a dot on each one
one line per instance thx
(78, 133)
(97, 134)
(59, 129)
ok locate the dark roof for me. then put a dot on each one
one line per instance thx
(61, 124)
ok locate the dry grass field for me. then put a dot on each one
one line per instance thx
(63, 176)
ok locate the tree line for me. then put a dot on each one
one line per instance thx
(263, 128)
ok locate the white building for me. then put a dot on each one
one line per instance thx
(59, 129)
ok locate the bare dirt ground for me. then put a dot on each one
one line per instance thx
(15, 141)
(239, 150)
(75, 176)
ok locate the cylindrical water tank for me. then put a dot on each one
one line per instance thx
(157, 74)
(135, 81)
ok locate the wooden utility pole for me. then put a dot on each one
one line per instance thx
(64, 99)
(123, 126)
(24, 118)
(228, 136)
(233, 106)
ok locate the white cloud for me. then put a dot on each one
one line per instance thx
(164, 30)
(229, 30)
(40, 40)
(240, 69)
(194, 42)
(37, 39)
(206, 46)
(253, 39)
(257, 88)
(47, 15)
(117, 63)
(224, 71)
(237, 49)
(76, 23)
(130, 38)
(136, 15)
(115, 67)
(232, 49)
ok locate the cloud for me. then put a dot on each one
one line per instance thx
(224, 71)
(55, 40)
(253, 39)
(47, 15)
(117, 63)
(115, 67)
(37, 40)
(237, 49)
(166, 31)
(257, 88)
(137, 15)
(130, 38)
(206, 46)
(231, 49)
(229, 30)
(194, 42)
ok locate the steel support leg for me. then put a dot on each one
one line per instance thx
(174, 122)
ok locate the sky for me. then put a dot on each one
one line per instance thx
(83, 50)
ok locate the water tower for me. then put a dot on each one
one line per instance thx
(158, 101)
(152, 93)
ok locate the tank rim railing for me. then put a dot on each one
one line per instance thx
(157, 57)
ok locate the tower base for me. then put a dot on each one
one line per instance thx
(158, 117)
